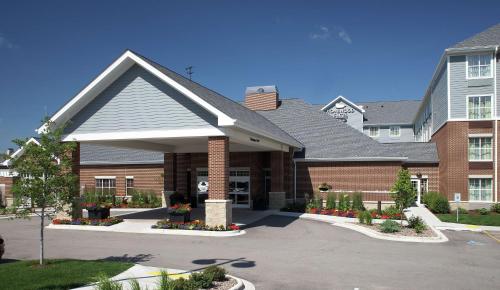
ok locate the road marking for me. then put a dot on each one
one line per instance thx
(492, 236)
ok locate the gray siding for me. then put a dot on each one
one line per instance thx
(384, 137)
(439, 99)
(460, 87)
(353, 119)
(137, 100)
(497, 75)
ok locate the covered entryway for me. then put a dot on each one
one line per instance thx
(214, 148)
(420, 185)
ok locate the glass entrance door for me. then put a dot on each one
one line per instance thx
(421, 186)
(239, 186)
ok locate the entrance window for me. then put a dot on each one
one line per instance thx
(479, 107)
(105, 185)
(480, 189)
(480, 149)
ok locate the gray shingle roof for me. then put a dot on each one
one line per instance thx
(490, 36)
(390, 112)
(91, 154)
(324, 136)
(227, 106)
(416, 151)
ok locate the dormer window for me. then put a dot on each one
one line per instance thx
(374, 132)
(395, 131)
(479, 66)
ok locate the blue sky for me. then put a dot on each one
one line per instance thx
(316, 50)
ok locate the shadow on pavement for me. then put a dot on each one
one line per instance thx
(133, 259)
(5, 261)
(274, 221)
(237, 263)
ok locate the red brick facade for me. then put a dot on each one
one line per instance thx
(7, 181)
(218, 167)
(263, 101)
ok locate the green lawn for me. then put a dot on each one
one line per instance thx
(491, 219)
(56, 274)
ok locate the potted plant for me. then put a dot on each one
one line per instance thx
(324, 187)
(97, 210)
(180, 212)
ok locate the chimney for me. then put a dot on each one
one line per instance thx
(262, 98)
(9, 151)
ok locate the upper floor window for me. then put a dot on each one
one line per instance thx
(374, 132)
(480, 149)
(479, 107)
(395, 131)
(479, 66)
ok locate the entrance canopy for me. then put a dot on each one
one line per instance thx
(136, 103)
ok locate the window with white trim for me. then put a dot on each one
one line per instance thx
(374, 131)
(479, 66)
(480, 149)
(479, 107)
(394, 131)
(105, 186)
(480, 189)
(129, 185)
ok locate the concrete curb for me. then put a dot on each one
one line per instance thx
(115, 229)
(441, 238)
(351, 223)
(239, 283)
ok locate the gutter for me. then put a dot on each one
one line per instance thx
(351, 159)
(496, 123)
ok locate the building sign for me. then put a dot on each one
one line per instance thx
(341, 111)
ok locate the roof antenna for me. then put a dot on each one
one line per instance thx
(189, 71)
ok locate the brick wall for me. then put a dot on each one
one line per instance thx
(8, 185)
(218, 167)
(146, 177)
(372, 177)
(264, 101)
(454, 168)
(277, 171)
(431, 170)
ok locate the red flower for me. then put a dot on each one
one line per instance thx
(384, 217)
(234, 227)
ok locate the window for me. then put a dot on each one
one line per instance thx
(479, 66)
(373, 131)
(479, 107)
(105, 185)
(480, 149)
(129, 185)
(394, 131)
(480, 189)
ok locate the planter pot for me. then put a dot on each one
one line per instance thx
(99, 213)
(180, 217)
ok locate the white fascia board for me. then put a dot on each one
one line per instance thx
(350, 159)
(111, 73)
(345, 100)
(462, 50)
(19, 152)
(140, 135)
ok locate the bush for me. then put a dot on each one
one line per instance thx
(495, 207)
(415, 222)
(357, 201)
(483, 211)
(390, 211)
(436, 202)
(201, 281)
(217, 273)
(361, 217)
(462, 210)
(389, 226)
(314, 203)
(331, 200)
(419, 228)
(104, 283)
(368, 218)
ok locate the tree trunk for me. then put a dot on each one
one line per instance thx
(42, 220)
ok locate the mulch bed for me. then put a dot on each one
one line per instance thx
(405, 231)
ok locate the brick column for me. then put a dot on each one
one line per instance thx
(169, 173)
(218, 210)
(277, 195)
(73, 210)
(182, 165)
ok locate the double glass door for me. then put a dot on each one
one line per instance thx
(421, 186)
(239, 186)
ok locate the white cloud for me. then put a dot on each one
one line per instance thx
(5, 43)
(323, 33)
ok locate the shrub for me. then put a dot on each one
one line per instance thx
(462, 210)
(357, 201)
(368, 218)
(389, 226)
(201, 281)
(217, 273)
(415, 222)
(419, 228)
(437, 202)
(347, 202)
(330, 200)
(134, 285)
(314, 203)
(495, 207)
(390, 211)
(484, 211)
(104, 283)
(342, 202)
(361, 217)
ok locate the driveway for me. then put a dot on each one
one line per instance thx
(285, 253)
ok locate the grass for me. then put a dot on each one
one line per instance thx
(56, 274)
(472, 218)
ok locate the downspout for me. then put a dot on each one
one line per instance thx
(496, 125)
(294, 181)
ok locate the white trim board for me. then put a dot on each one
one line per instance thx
(344, 99)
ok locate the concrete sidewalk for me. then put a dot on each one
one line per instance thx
(433, 221)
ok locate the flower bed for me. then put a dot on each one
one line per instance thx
(354, 214)
(403, 231)
(88, 222)
(196, 225)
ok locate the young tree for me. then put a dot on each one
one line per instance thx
(402, 192)
(45, 179)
